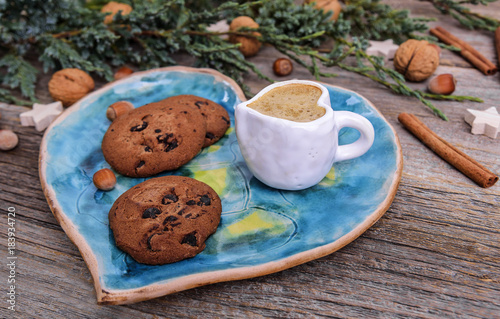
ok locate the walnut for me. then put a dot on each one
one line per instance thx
(114, 7)
(416, 60)
(328, 5)
(249, 46)
(70, 85)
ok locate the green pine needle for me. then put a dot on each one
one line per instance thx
(71, 34)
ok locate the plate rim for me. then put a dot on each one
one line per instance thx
(107, 296)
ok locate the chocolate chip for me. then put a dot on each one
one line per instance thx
(171, 145)
(164, 138)
(182, 211)
(169, 198)
(191, 202)
(157, 130)
(209, 135)
(200, 103)
(190, 239)
(226, 120)
(147, 149)
(139, 127)
(141, 164)
(149, 242)
(169, 219)
(185, 112)
(204, 200)
(151, 212)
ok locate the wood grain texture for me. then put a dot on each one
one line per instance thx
(434, 254)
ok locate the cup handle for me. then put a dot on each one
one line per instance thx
(360, 146)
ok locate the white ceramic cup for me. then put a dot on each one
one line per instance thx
(296, 155)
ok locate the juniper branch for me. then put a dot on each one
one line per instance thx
(75, 36)
(465, 16)
(7, 97)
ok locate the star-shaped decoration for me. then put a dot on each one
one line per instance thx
(220, 26)
(385, 49)
(41, 115)
(485, 122)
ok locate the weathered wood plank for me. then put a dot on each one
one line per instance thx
(434, 254)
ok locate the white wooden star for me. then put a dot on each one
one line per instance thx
(220, 26)
(41, 115)
(385, 49)
(485, 122)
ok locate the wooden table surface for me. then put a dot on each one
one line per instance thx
(434, 254)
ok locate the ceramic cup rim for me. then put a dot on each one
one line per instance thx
(323, 101)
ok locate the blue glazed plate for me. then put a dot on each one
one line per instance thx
(262, 230)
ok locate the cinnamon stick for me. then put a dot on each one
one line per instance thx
(497, 42)
(466, 50)
(466, 46)
(461, 161)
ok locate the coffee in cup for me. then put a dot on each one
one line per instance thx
(288, 150)
(294, 102)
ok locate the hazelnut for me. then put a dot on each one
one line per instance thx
(443, 84)
(8, 140)
(114, 7)
(328, 5)
(70, 85)
(416, 60)
(104, 179)
(249, 46)
(282, 67)
(123, 72)
(117, 109)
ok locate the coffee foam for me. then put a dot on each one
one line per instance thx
(294, 102)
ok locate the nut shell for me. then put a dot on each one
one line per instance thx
(416, 60)
(104, 179)
(437, 48)
(241, 22)
(328, 5)
(442, 84)
(70, 85)
(8, 140)
(114, 7)
(118, 109)
(282, 67)
(249, 46)
(123, 72)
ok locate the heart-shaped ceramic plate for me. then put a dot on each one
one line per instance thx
(262, 230)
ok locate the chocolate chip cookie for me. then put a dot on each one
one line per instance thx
(165, 219)
(154, 138)
(216, 116)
